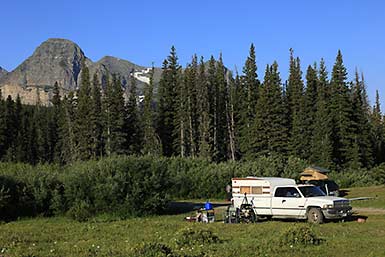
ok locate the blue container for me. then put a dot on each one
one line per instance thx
(208, 206)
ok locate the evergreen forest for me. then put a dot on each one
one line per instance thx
(204, 111)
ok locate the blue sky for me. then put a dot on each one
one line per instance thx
(143, 31)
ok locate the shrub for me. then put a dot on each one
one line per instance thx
(191, 236)
(135, 186)
(80, 211)
(378, 173)
(299, 234)
(152, 250)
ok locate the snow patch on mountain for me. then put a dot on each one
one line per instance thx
(141, 75)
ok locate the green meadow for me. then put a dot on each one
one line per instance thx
(170, 235)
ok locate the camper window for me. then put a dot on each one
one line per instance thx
(245, 190)
(256, 190)
(251, 190)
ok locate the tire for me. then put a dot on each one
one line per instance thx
(315, 216)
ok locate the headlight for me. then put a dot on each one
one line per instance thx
(328, 206)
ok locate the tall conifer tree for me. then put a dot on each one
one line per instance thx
(321, 145)
(378, 131)
(205, 139)
(132, 122)
(67, 142)
(83, 116)
(96, 118)
(295, 102)
(344, 151)
(249, 95)
(168, 91)
(270, 122)
(361, 121)
(114, 114)
(151, 141)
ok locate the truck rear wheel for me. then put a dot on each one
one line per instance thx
(314, 215)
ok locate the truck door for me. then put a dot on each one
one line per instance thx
(287, 201)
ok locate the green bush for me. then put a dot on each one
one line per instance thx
(80, 211)
(136, 186)
(378, 174)
(196, 236)
(124, 185)
(152, 250)
(299, 234)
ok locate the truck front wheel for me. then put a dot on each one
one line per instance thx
(314, 215)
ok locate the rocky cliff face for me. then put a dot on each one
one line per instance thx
(60, 60)
(54, 60)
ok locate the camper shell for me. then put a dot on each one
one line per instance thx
(283, 198)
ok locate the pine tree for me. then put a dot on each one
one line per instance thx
(341, 113)
(212, 90)
(10, 129)
(249, 95)
(181, 116)
(83, 117)
(54, 123)
(40, 122)
(17, 146)
(96, 118)
(114, 114)
(151, 141)
(168, 90)
(270, 123)
(296, 115)
(231, 119)
(378, 131)
(33, 148)
(310, 110)
(2, 127)
(204, 113)
(321, 145)
(132, 122)
(66, 140)
(191, 83)
(220, 113)
(361, 122)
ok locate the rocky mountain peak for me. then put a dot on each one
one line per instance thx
(54, 60)
(60, 60)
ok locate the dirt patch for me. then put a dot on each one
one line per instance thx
(369, 210)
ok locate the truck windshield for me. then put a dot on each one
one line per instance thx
(311, 191)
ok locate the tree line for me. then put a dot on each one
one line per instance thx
(204, 111)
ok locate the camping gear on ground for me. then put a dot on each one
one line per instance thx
(205, 216)
(208, 206)
(243, 214)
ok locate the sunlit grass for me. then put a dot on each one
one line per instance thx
(104, 236)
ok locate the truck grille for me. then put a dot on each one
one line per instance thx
(341, 204)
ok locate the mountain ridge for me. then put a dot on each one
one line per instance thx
(60, 60)
(3, 71)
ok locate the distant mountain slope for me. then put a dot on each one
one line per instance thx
(61, 60)
(2, 72)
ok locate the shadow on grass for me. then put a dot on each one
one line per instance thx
(175, 208)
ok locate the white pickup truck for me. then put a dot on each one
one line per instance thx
(283, 198)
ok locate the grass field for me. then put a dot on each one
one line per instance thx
(60, 236)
